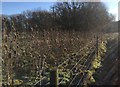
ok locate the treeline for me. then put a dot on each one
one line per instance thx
(78, 16)
(113, 27)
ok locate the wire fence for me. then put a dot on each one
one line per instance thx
(82, 64)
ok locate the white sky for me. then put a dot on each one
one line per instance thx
(113, 8)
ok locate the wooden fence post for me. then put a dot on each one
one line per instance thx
(97, 44)
(54, 78)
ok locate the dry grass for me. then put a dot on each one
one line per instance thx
(25, 52)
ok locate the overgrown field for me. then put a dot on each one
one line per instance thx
(72, 38)
(29, 56)
(24, 52)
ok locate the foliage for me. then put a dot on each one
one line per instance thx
(96, 63)
(36, 41)
(28, 55)
(75, 16)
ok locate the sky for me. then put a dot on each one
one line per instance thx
(112, 8)
(10, 8)
(18, 7)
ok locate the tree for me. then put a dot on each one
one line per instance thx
(82, 16)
